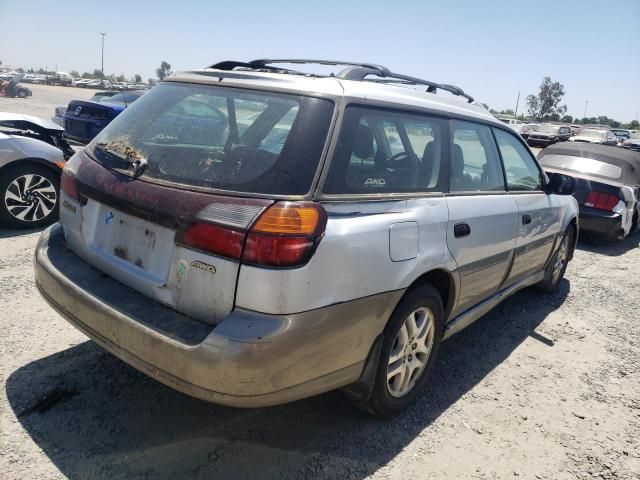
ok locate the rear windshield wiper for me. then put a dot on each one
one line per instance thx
(130, 156)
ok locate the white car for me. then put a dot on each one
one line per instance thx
(32, 154)
(592, 135)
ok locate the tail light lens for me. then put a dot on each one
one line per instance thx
(68, 184)
(285, 235)
(601, 201)
(214, 239)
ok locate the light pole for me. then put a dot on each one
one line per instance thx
(102, 63)
(585, 109)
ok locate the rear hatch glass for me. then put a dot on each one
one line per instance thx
(221, 138)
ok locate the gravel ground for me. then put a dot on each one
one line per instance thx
(543, 387)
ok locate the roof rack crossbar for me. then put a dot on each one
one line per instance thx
(270, 61)
(354, 71)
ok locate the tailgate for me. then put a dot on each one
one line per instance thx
(127, 229)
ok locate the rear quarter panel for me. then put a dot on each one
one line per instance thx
(353, 259)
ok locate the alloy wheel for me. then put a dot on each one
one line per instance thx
(561, 259)
(30, 198)
(411, 351)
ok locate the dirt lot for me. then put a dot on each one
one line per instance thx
(543, 387)
(44, 100)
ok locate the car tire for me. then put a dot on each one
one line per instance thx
(29, 196)
(554, 273)
(420, 316)
(21, 94)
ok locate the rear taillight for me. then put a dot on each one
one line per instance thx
(285, 235)
(213, 239)
(601, 201)
(68, 184)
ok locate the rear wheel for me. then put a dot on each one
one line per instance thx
(558, 264)
(22, 94)
(29, 196)
(411, 342)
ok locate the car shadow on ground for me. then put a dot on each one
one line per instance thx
(16, 232)
(107, 420)
(611, 249)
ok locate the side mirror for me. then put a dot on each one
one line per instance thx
(561, 184)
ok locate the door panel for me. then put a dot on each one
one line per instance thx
(483, 256)
(538, 223)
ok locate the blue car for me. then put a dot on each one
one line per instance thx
(83, 120)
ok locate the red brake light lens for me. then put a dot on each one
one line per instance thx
(277, 250)
(601, 201)
(213, 239)
(68, 185)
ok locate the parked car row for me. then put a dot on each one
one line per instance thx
(106, 84)
(543, 135)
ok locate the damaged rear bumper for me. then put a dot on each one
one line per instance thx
(247, 360)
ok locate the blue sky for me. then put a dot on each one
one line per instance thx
(492, 49)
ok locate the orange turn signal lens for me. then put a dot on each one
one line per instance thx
(289, 218)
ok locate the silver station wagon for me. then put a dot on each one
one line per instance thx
(251, 235)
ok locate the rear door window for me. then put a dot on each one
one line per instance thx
(219, 137)
(381, 151)
(475, 164)
(520, 168)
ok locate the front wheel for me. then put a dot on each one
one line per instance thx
(29, 196)
(411, 342)
(558, 264)
(21, 94)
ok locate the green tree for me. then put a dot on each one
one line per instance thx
(137, 78)
(547, 102)
(151, 82)
(74, 73)
(121, 78)
(97, 73)
(567, 119)
(87, 75)
(164, 71)
(633, 124)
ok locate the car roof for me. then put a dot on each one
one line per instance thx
(366, 91)
(17, 117)
(627, 160)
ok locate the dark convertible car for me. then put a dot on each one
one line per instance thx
(608, 185)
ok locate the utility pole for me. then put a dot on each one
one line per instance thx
(585, 109)
(517, 102)
(102, 63)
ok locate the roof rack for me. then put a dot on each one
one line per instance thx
(355, 71)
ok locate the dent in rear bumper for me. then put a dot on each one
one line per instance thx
(247, 360)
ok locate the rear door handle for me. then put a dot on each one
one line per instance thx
(526, 219)
(461, 230)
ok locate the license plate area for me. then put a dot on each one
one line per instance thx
(132, 244)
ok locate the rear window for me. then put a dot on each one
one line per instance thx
(220, 137)
(582, 165)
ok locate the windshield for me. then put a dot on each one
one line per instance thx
(547, 129)
(592, 133)
(220, 137)
(621, 133)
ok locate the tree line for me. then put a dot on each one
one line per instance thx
(161, 73)
(546, 106)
